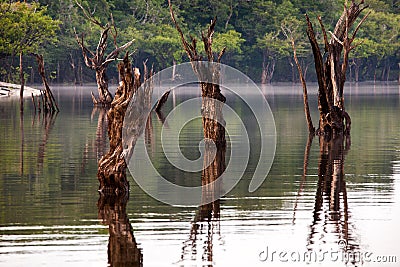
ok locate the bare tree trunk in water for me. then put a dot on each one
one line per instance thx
(51, 103)
(173, 70)
(21, 75)
(331, 74)
(213, 123)
(74, 68)
(112, 166)
(123, 249)
(293, 72)
(58, 71)
(268, 69)
(388, 72)
(97, 60)
(398, 78)
(32, 76)
(214, 134)
(80, 73)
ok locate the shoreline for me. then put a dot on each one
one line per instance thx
(9, 90)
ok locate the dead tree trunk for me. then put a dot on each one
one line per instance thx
(74, 68)
(97, 60)
(357, 64)
(311, 129)
(212, 103)
(112, 166)
(21, 76)
(331, 72)
(51, 103)
(268, 69)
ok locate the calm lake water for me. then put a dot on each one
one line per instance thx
(50, 212)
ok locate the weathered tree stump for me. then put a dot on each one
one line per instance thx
(331, 72)
(112, 166)
(209, 77)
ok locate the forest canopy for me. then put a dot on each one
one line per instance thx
(251, 31)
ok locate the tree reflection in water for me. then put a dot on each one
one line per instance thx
(122, 247)
(206, 222)
(101, 140)
(47, 121)
(331, 212)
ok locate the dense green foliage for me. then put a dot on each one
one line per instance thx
(251, 30)
(25, 28)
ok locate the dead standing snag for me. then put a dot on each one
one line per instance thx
(49, 102)
(98, 60)
(331, 72)
(112, 166)
(212, 103)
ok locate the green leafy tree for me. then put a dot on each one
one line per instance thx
(26, 28)
(233, 42)
(380, 45)
(251, 30)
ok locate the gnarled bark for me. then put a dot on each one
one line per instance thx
(331, 72)
(97, 60)
(112, 166)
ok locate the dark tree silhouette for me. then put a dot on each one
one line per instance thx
(331, 71)
(97, 60)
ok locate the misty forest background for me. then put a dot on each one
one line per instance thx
(250, 29)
